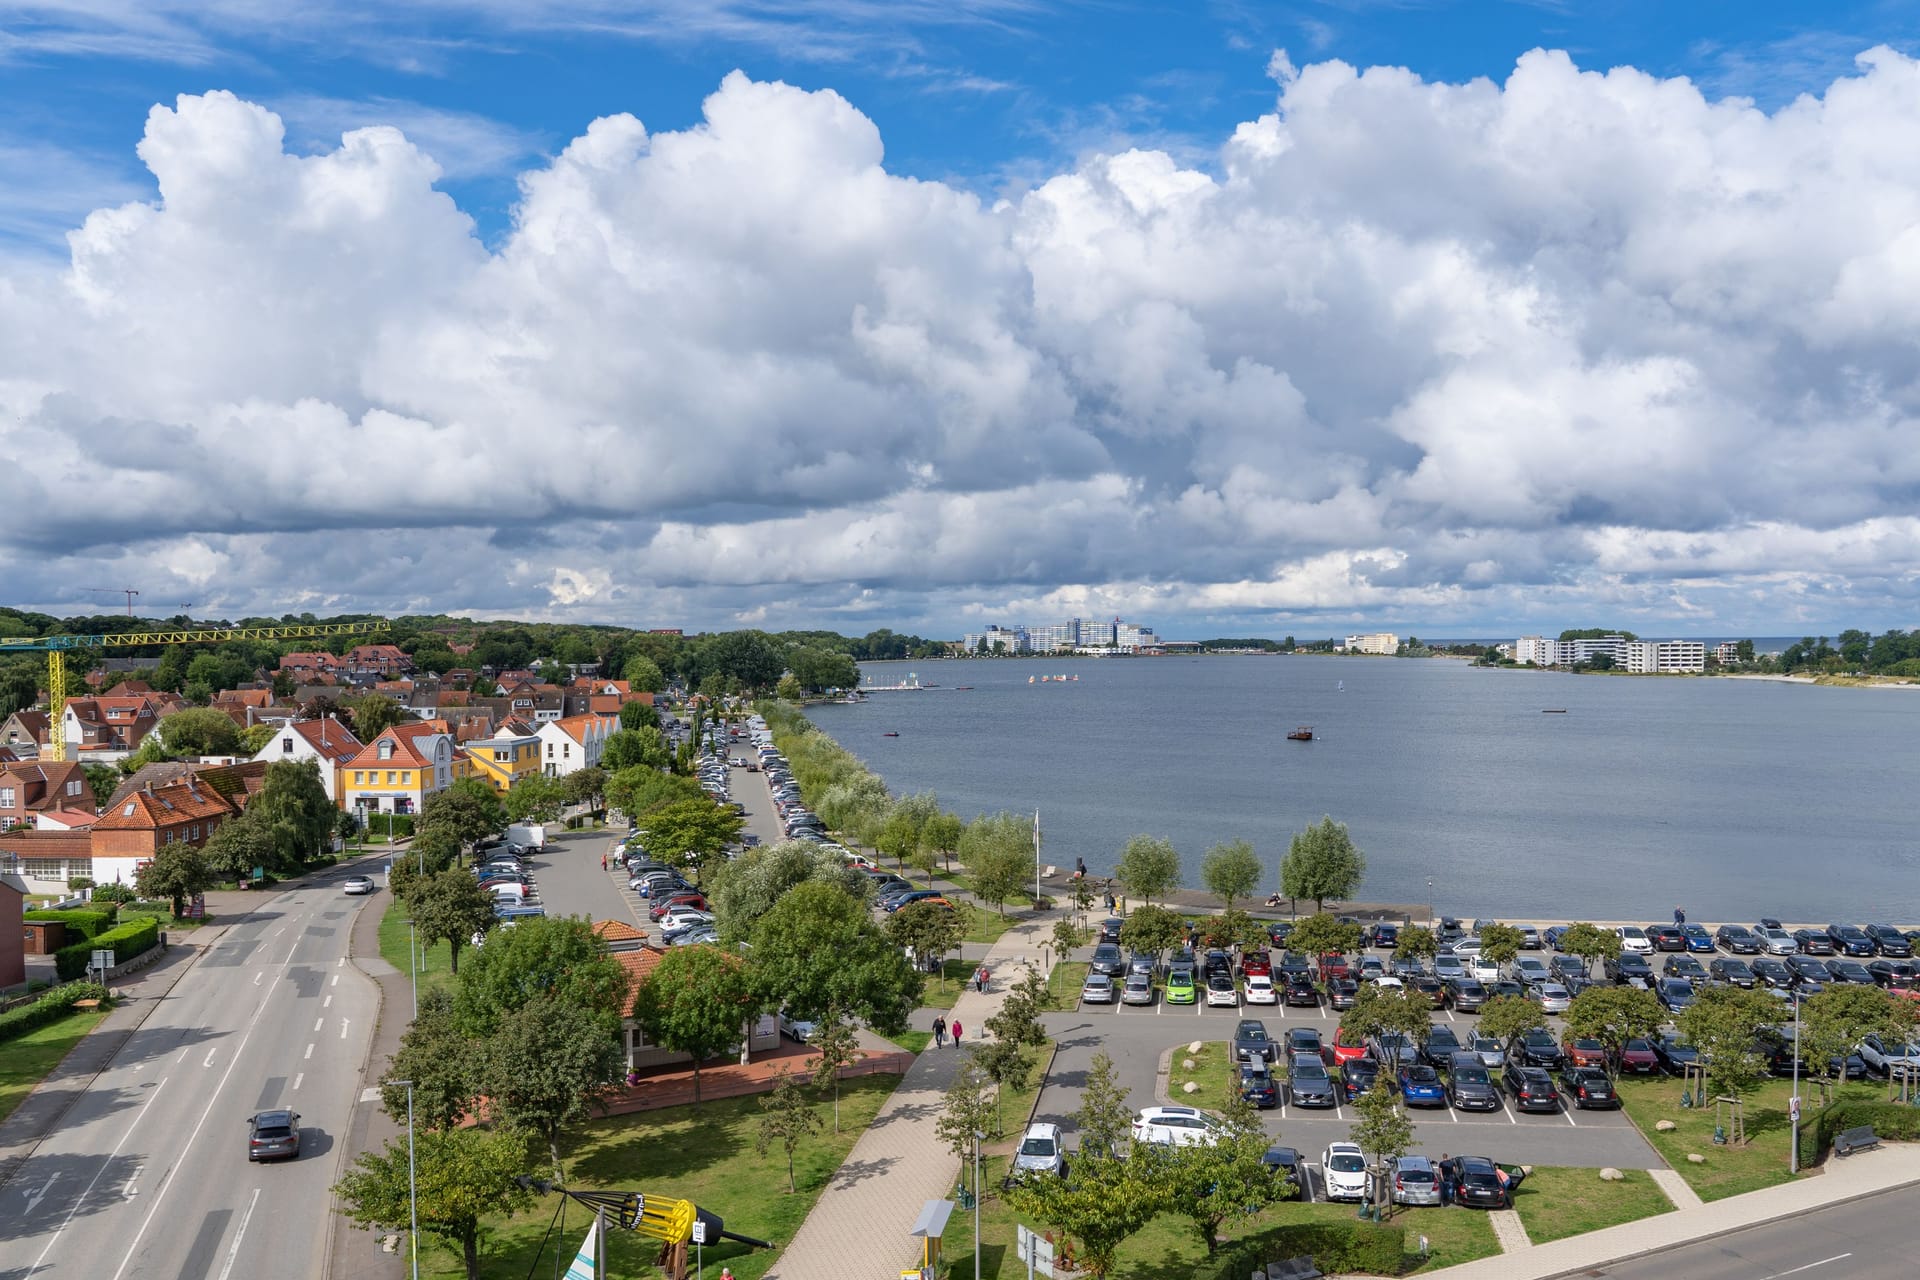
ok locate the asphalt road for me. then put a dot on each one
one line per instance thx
(148, 1174)
(1869, 1239)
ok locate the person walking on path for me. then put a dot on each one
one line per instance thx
(954, 1027)
(603, 862)
(940, 1030)
(1080, 868)
(1679, 917)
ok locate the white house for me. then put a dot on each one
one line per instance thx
(326, 740)
(573, 743)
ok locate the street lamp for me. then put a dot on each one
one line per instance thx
(413, 1202)
(413, 968)
(1429, 902)
(1793, 1104)
(978, 1137)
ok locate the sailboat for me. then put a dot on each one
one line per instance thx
(1340, 686)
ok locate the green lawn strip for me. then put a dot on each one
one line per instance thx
(1065, 982)
(706, 1156)
(1728, 1170)
(437, 960)
(1557, 1202)
(913, 1041)
(943, 988)
(1212, 1072)
(25, 1061)
(1016, 1106)
(984, 925)
(1169, 1247)
(162, 911)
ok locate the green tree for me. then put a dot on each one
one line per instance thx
(998, 851)
(199, 731)
(237, 846)
(1379, 1010)
(585, 786)
(1322, 863)
(175, 872)
(1382, 1129)
(1153, 929)
(292, 807)
(19, 687)
(927, 929)
(787, 1119)
(442, 1062)
(818, 670)
(1011, 1070)
(1724, 1023)
(1590, 943)
(1614, 1015)
(1149, 867)
(638, 715)
(1837, 1019)
(1500, 943)
(967, 1109)
(1505, 1017)
(558, 955)
(838, 1047)
(1416, 942)
(746, 888)
(942, 835)
(643, 675)
(535, 797)
(469, 811)
(549, 1061)
(697, 1001)
(817, 949)
(1322, 934)
(102, 781)
(639, 789)
(1211, 1184)
(254, 740)
(691, 833)
(1104, 1203)
(375, 713)
(1069, 937)
(1105, 1118)
(450, 905)
(789, 690)
(1231, 871)
(462, 1177)
(1017, 1021)
(628, 748)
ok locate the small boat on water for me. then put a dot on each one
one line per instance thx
(1553, 711)
(962, 688)
(890, 734)
(1303, 734)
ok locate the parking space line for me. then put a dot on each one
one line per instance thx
(1568, 1113)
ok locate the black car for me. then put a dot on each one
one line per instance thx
(1385, 936)
(1589, 1088)
(1357, 1076)
(1814, 942)
(1108, 960)
(1729, 972)
(1277, 931)
(1300, 992)
(1536, 1048)
(1470, 1085)
(1809, 969)
(1110, 929)
(1251, 1043)
(1342, 994)
(1308, 1084)
(1897, 975)
(1630, 970)
(1738, 939)
(1892, 943)
(1851, 940)
(1667, 937)
(1465, 994)
(1531, 1089)
(1675, 1054)
(1563, 967)
(1294, 962)
(1216, 961)
(273, 1135)
(1507, 987)
(1394, 1048)
(1305, 1040)
(1479, 1183)
(1851, 971)
(1431, 987)
(1284, 1162)
(1771, 973)
(1683, 967)
(1674, 994)
(1440, 1046)
(1257, 1084)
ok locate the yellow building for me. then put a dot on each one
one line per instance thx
(505, 758)
(397, 771)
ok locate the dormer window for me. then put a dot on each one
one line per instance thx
(386, 748)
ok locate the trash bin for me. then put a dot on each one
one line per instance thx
(963, 1196)
(163, 939)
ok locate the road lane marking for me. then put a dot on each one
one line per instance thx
(133, 1181)
(298, 1077)
(335, 982)
(308, 1053)
(1568, 1113)
(258, 974)
(233, 1253)
(319, 1023)
(209, 1058)
(1810, 1266)
(33, 1201)
(105, 1165)
(327, 1003)
(344, 1024)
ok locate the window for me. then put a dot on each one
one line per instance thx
(549, 751)
(389, 777)
(167, 837)
(359, 777)
(74, 788)
(286, 746)
(193, 832)
(386, 748)
(128, 811)
(6, 797)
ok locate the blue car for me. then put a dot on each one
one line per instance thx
(1420, 1086)
(1553, 935)
(1698, 939)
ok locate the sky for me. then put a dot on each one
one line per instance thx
(1460, 318)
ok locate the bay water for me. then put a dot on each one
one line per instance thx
(1516, 793)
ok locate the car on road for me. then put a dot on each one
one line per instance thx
(1637, 1058)
(1139, 989)
(1674, 994)
(1535, 1048)
(1589, 1088)
(273, 1135)
(1257, 1084)
(1531, 1089)
(1175, 1126)
(1251, 1042)
(1221, 992)
(1737, 939)
(1344, 1167)
(1470, 1084)
(1479, 1183)
(357, 885)
(1097, 989)
(1421, 1086)
(1412, 1180)
(1040, 1151)
(1180, 987)
(1259, 989)
(1357, 1076)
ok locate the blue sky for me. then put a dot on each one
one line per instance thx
(1458, 318)
(990, 94)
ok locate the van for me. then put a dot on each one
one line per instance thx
(1040, 1151)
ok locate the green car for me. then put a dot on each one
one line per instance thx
(1180, 987)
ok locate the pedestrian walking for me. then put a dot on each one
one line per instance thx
(603, 862)
(955, 1029)
(1080, 868)
(980, 978)
(1446, 1178)
(940, 1030)
(1109, 904)
(1679, 917)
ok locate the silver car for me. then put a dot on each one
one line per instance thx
(1551, 997)
(1097, 990)
(1139, 989)
(1414, 1181)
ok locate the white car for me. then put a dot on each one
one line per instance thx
(1551, 996)
(1484, 970)
(1260, 989)
(1175, 1126)
(679, 919)
(1387, 982)
(1633, 938)
(357, 885)
(1222, 992)
(798, 1028)
(1345, 1168)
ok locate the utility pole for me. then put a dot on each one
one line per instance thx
(413, 1201)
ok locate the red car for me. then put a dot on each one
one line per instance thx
(1334, 965)
(1584, 1053)
(1256, 962)
(675, 902)
(1637, 1058)
(1348, 1051)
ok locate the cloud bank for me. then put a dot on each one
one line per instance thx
(1575, 345)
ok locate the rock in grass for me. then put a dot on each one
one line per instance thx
(1612, 1175)
(1694, 1157)
(1196, 1046)
(1186, 1064)
(1666, 1126)
(1190, 1087)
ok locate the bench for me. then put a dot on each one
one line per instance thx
(90, 1003)
(1300, 1268)
(1859, 1138)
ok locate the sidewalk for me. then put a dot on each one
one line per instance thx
(858, 1227)
(1892, 1166)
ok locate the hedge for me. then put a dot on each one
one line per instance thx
(51, 1007)
(88, 924)
(1337, 1248)
(394, 825)
(1897, 1121)
(127, 940)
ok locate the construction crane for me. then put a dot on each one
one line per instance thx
(58, 647)
(128, 592)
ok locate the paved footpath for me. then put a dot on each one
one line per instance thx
(858, 1227)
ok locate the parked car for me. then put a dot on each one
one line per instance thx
(1306, 1040)
(1384, 936)
(1466, 994)
(1535, 1048)
(1357, 1076)
(1674, 994)
(1770, 972)
(1775, 940)
(1552, 997)
(1412, 1180)
(1139, 989)
(1180, 988)
(1851, 940)
(1107, 960)
(1814, 942)
(1394, 1048)
(1738, 940)
(1667, 937)
(1634, 939)
(1531, 1089)
(1342, 994)
(1308, 1084)
(1528, 970)
(1890, 941)
(1630, 970)
(1440, 1046)
(1809, 969)
(1300, 992)
(1851, 971)
(1344, 1168)
(1697, 937)
(1731, 972)
(1221, 992)
(1883, 1055)
(801, 1029)
(1257, 1084)
(1284, 1162)
(1470, 1084)
(1683, 966)
(686, 899)
(1432, 988)
(1491, 1052)
(1251, 1041)
(1589, 1088)
(1346, 1049)
(1636, 1058)
(1143, 963)
(1675, 1054)
(1420, 1086)
(1479, 1183)
(1898, 975)
(273, 1135)
(1097, 989)
(1175, 1126)
(1583, 1052)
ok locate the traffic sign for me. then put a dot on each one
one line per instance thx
(699, 1231)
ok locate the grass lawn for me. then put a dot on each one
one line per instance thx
(706, 1156)
(1568, 1202)
(943, 988)
(161, 911)
(437, 961)
(1169, 1247)
(984, 925)
(1728, 1171)
(1211, 1073)
(913, 1041)
(28, 1058)
(1065, 981)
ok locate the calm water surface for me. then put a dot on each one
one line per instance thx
(1734, 798)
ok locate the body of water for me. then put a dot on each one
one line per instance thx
(1734, 798)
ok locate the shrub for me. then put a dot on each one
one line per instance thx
(113, 893)
(82, 921)
(1337, 1248)
(52, 1007)
(126, 941)
(1894, 1121)
(76, 883)
(395, 825)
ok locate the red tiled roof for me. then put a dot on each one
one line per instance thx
(639, 965)
(405, 752)
(182, 801)
(333, 741)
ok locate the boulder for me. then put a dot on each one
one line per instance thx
(1694, 1157)
(1186, 1064)
(1196, 1046)
(1190, 1087)
(1612, 1175)
(1666, 1126)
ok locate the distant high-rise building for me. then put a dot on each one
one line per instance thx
(1374, 642)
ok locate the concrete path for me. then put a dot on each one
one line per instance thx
(1892, 1166)
(1509, 1230)
(1678, 1189)
(858, 1227)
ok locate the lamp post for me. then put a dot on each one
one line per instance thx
(1036, 859)
(1793, 1104)
(413, 968)
(1429, 902)
(977, 1137)
(413, 1202)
